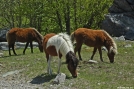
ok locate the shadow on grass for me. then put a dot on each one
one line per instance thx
(12, 55)
(45, 78)
(42, 78)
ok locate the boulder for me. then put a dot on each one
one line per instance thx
(3, 32)
(60, 78)
(119, 21)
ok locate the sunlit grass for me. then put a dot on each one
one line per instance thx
(90, 76)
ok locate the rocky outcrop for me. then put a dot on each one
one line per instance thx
(18, 45)
(3, 32)
(120, 19)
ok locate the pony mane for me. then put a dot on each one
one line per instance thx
(66, 37)
(113, 47)
(39, 35)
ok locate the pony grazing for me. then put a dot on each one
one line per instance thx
(24, 35)
(60, 45)
(96, 39)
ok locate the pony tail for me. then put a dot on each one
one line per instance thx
(72, 37)
(7, 37)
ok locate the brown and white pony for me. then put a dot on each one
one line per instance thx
(24, 35)
(96, 39)
(60, 45)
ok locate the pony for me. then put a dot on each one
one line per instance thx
(60, 45)
(96, 39)
(24, 35)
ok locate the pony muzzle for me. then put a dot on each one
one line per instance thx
(75, 76)
(111, 61)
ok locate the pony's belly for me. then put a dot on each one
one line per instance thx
(21, 39)
(93, 44)
(51, 50)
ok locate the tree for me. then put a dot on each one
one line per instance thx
(53, 15)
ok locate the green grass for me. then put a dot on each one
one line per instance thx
(104, 75)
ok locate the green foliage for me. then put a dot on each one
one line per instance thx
(51, 15)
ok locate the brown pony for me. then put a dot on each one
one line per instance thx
(60, 45)
(24, 35)
(96, 39)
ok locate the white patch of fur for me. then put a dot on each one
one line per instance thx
(61, 42)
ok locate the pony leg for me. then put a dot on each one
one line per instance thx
(13, 49)
(59, 65)
(9, 50)
(94, 51)
(78, 48)
(100, 52)
(31, 47)
(25, 47)
(49, 70)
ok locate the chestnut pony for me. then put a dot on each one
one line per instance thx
(96, 39)
(24, 35)
(60, 45)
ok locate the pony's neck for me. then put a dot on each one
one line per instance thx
(64, 49)
(108, 48)
(111, 48)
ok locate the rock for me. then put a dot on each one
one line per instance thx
(92, 61)
(60, 78)
(119, 21)
(121, 38)
(121, 6)
(128, 45)
(1, 54)
(4, 45)
(3, 32)
(11, 73)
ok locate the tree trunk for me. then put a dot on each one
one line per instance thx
(67, 18)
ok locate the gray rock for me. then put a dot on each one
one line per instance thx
(1, 54)
(120, 6)
(128, 45)
(11, 73)
(119, 21)
(92, 61)
(4, 45)
(60, 78)
(3, 32)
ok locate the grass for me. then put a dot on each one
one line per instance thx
(104, 75)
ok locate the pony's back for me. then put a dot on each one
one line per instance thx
(92, 37)
(61, 42)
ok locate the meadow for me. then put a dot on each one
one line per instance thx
(103, 75)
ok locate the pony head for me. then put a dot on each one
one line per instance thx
(39, 39)
(112, 53)
(40, 47)
(72, 62)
